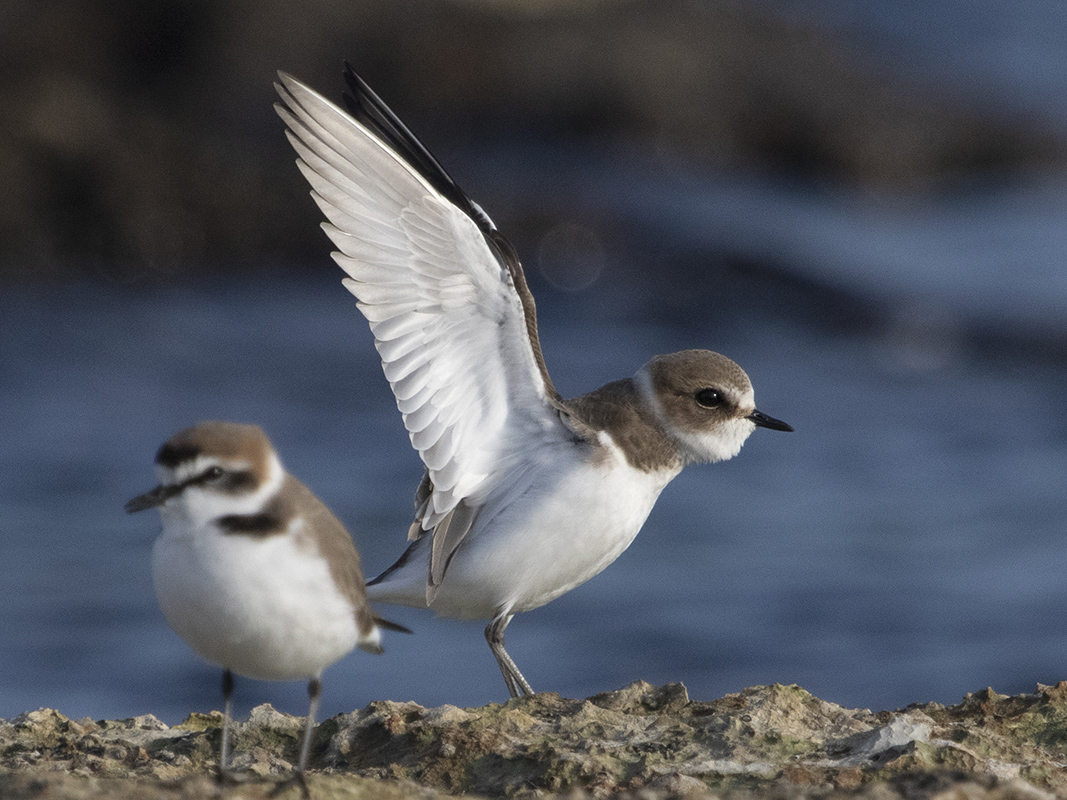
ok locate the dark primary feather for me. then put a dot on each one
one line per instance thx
(390, 626)
(365, 105)
(405, 557)
(370, 110)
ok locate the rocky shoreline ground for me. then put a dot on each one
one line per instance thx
(641, 741)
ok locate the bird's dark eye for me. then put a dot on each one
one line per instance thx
(708, 398)
(213, 473)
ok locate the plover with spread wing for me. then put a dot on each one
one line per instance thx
(526, 495)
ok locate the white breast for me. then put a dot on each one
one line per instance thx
(264, 608)
(539, 536)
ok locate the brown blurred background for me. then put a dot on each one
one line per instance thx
(138, 140)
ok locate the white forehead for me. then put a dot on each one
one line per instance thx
(741, 396)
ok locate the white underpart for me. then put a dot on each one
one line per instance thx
(264, 607)
(548, 528)
(446, 319)
(720, 443)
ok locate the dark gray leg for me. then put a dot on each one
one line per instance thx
(494, 634)
(227, 698)
(300, 778)
(314, 690)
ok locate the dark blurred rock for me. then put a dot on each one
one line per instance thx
(138, 140)
(639, 743)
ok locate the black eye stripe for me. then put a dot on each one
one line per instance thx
(229, 482)
(207, 476)
(238, 481)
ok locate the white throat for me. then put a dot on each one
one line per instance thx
(720, 443)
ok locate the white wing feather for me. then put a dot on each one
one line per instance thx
(447, 321)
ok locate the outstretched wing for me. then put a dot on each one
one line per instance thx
(445, 297)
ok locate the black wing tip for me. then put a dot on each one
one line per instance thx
(356, 88)
(356, 85)
(363, 103)
(359, 88)
(391, 626)
(409, 551)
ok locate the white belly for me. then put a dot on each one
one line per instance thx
(266, 608)
(533, 545)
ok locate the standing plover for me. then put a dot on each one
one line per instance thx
(251, 569)
(526, 495)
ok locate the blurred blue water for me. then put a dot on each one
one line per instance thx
(1008, 57)
(905, 544)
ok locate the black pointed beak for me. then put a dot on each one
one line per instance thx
(763, 421)
(156, 497)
